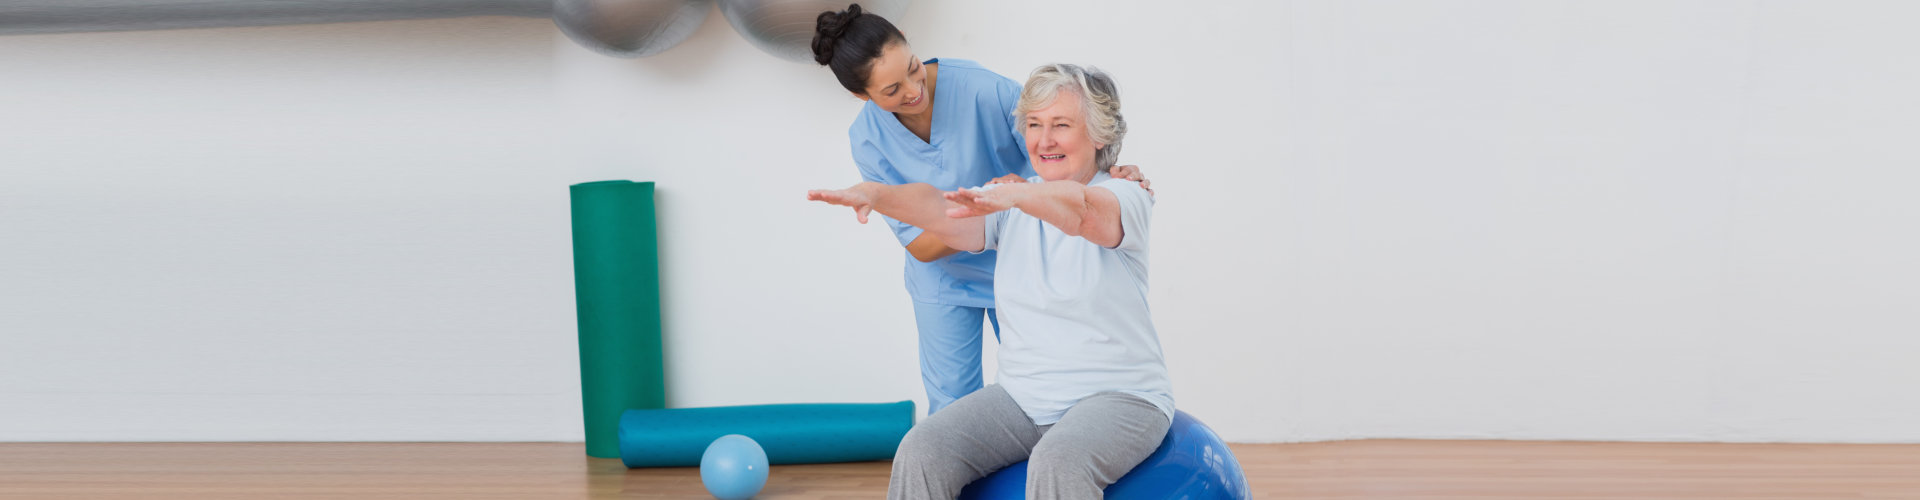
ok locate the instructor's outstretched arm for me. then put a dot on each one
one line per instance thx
(919, 205)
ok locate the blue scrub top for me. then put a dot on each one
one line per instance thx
(974, 139)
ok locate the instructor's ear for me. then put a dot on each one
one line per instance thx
(861, 96)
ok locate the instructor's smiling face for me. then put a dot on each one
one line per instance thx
(898, 81)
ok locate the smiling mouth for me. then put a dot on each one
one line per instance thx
(1052, 157)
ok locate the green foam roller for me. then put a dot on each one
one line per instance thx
(616, 277)
(790, 433)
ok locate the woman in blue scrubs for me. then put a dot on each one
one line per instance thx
(967, 137)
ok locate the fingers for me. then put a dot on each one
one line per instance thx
(838, 197)
(832, 196)
(826, 195)
(1008, 179)
(968, 205)
(971, 204)
(970, 199)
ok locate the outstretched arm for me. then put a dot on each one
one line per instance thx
(919, 205)
(1077, 209)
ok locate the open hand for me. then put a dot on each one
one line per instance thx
(858, 197)
(975, 203)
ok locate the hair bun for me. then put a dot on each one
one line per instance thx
(827, 30)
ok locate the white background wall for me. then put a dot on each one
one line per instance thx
(1530, 220)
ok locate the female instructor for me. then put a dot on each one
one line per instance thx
(948, 123)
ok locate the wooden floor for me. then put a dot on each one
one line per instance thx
(1374, 469)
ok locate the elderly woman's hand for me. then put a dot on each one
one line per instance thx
(1008, 179)
(977, 202)
(1132, 173)
(859, 197)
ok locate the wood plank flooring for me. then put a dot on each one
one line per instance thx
(1368, 469)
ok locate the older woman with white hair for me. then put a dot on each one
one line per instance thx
(1082, 391)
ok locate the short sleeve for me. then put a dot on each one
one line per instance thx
(874, 167)
(990, 224)
(1136, 212)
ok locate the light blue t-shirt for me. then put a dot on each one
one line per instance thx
(1074, 320)
(974, 139)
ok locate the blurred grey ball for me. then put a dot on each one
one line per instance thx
(630, 28)
(784, 28)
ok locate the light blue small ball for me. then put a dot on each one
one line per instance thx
(734, 467)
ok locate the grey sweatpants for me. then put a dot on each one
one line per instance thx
(1097, 441)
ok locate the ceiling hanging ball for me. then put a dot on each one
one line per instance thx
(784, 28)
(630, 28)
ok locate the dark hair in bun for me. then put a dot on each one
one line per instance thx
(849, 41)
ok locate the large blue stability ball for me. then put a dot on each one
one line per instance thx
(1191, 463)
(734, 467)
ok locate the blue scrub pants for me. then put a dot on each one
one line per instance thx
(950, 350)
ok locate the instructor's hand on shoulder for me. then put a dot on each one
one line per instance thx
(1132, 173)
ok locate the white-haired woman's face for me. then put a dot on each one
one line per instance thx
(1057, 141)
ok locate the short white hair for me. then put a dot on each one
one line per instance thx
(1099, 99)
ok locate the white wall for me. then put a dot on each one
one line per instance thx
(351, 231)
(1570, 220)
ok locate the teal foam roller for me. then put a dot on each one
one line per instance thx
(791, 433)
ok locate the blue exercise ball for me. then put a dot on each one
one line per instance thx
(1191, 463)
(734, 467)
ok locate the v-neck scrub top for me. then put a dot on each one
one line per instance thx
(974, 139)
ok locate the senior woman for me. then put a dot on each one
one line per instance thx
(947, 123)
(1082, 391)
